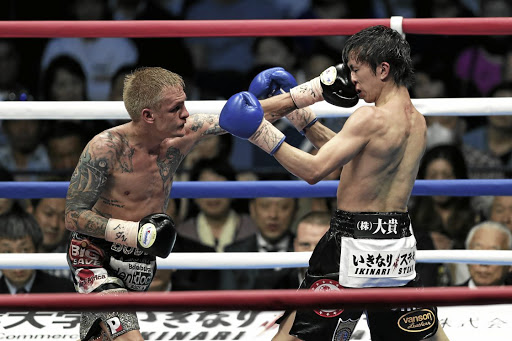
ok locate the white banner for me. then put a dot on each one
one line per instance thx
(493, 322)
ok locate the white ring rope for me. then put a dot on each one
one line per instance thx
(396, 23)
(91, 110)
(252, 260)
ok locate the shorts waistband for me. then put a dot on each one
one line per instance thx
(372, 225)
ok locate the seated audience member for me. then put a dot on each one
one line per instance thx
(273, 218)
(65, 144)
(216, 224)
(444, 219)
(63, 80)
(495, 138)
(6, 204)
(501, 210)
(310, 229)
(443, 216)
(49, 214)
(488, 235)
(24, 151)
(20, 233)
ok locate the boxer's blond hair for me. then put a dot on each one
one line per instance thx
(144, 87)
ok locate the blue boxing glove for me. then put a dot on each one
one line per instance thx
(272, 82)
(269, 82)
(242, 116)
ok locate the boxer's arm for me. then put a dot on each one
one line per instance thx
(334, 154)
(202, 125)
(86, 185)
(279, 106)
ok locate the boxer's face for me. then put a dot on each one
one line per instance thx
(18, 277)
(170, 115)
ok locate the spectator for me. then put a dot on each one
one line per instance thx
(443, 216)
(24, 155)
(11, 85)
(495, 138)
(226, 58)
(100, 58)
(63, 80)
(443, 219)
(488, 235)
(501, 210)
(20, 233)
(479, 67)
(49, 214)
(431, 83)
(65, 143)
(216, 224)
(180, 63)
(210, 147)
(273, 218)
(310, 228)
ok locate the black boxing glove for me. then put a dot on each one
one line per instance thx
(334, 85)
(337, 86)
(154, 234)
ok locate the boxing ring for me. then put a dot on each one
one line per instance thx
(164, 316)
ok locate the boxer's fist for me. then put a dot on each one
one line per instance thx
(334, 85)
(156, 234)
(269, 82)
(337, 86)
(242, 116)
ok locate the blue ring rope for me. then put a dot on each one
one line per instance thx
(254, 189)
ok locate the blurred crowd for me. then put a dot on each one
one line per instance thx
(93, 69)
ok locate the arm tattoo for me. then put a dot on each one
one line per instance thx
(85, 187)
(168, 167)
(211, 122)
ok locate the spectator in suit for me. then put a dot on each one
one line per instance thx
(20, 233)
(273, 218)
(310, 229)
(488, 235)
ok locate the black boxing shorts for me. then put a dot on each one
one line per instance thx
(103, 267)
(364, 250)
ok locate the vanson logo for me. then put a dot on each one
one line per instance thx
(417, 320)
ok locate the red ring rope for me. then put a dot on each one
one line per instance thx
(257, 299)
(247, 28)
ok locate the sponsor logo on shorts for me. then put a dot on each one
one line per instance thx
(147, 235)
(417, 321)
(89, 279)
(83, 253)
(375, 264)
(127, 250)
(373, 227)
(344, 330)
(328, 77)
(114, 324)
(327, 285)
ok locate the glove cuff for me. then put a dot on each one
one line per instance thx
(268, 137)
(302, 119)
(307, 93)
(122, 232)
